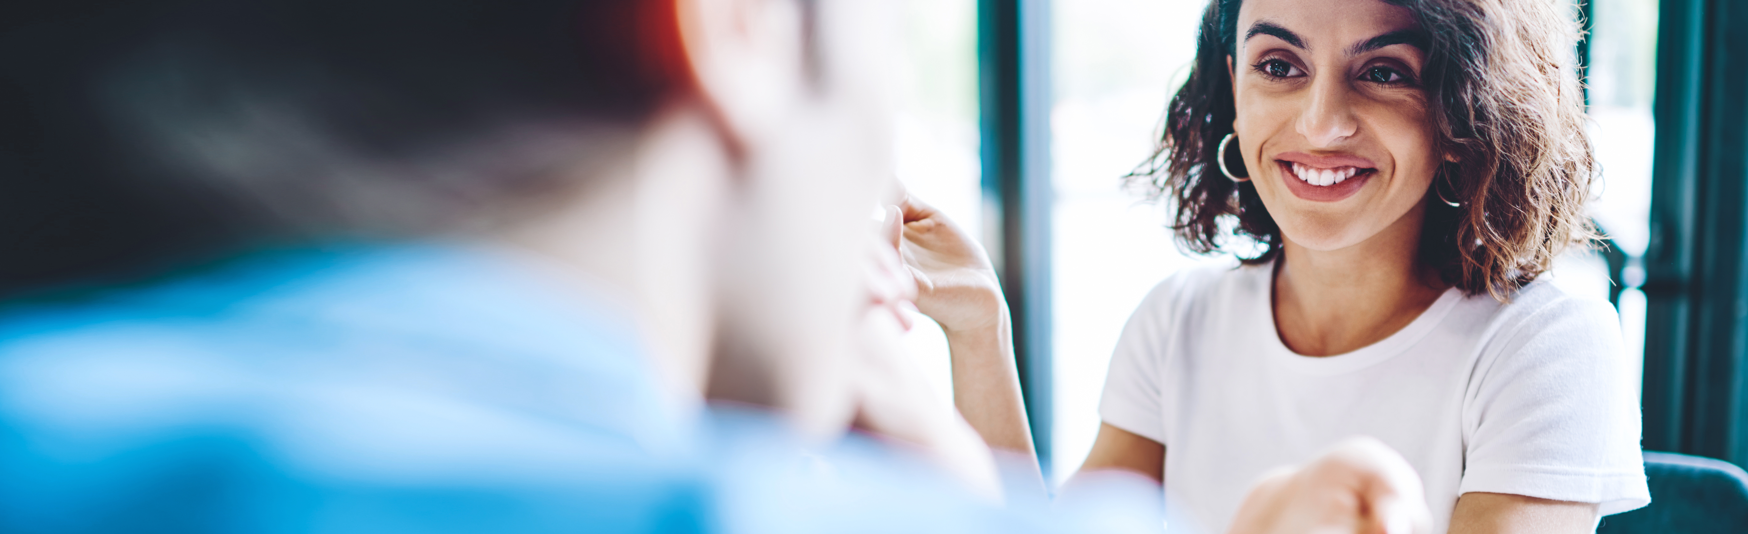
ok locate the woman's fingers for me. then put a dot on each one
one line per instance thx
(1385, 484)
(1359, 485)
(1388, 485)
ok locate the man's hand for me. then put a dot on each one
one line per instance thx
(1360, 485)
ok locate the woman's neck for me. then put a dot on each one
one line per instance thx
(1329, 302)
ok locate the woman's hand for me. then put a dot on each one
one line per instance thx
(956, 286)
(955, 282)
(894, 401)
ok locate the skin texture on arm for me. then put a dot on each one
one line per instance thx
(1118, 449)
(1500, 513)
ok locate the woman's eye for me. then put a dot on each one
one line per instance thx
(1383, 75)
(1278, 68)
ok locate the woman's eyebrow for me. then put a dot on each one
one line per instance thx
(1412, 37)
(1270, 28)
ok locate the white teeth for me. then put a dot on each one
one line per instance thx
(1323, 177)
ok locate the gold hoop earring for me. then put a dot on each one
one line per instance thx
(1220, 157)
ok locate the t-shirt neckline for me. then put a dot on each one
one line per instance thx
(1360, 358)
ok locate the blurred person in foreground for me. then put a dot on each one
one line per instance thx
(475, 266)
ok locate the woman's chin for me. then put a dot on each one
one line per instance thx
(1322, 233)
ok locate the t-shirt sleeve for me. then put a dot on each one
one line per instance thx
(1133, 398)
(1554, 414)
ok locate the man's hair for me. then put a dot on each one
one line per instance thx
(132, 132)
(1504, 100)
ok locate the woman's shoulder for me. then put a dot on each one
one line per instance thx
(1543, 319)
(1542, 303)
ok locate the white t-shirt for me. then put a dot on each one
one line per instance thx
(1529, 398)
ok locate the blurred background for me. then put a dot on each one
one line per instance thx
(1093, 78)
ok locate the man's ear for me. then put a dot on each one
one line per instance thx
(748, 60)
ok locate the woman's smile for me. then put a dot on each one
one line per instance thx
(1327, 96)
(1324, 178)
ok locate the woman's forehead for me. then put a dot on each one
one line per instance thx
(1317, 24)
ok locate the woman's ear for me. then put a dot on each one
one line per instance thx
(748, 59)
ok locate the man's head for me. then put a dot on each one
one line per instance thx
(149, 132)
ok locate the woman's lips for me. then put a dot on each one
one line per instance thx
(1326, 161)
(1324, 183)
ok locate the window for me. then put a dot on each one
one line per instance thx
(1622, 75)
(1116, 62)
(937, 133)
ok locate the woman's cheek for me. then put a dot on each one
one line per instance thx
(1262, 118)
(1413, 154)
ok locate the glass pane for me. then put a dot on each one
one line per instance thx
(936, 127)
(1622, 75)
(1116, 63)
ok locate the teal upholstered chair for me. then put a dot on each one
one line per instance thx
(1689, 495)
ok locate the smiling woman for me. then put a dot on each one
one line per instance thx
(1507, 123)
(1409, 168)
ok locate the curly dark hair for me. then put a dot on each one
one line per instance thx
(1506, 104)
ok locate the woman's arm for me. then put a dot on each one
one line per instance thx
(1500, 513)
(986, 385)
(893, 399)
(958, 288)
(1116, 448)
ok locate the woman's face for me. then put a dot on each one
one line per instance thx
(1332, 118)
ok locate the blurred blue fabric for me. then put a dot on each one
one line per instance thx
(427, 388)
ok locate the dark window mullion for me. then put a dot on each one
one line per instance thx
(1013, 47)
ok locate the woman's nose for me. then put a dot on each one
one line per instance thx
(1328, 117)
